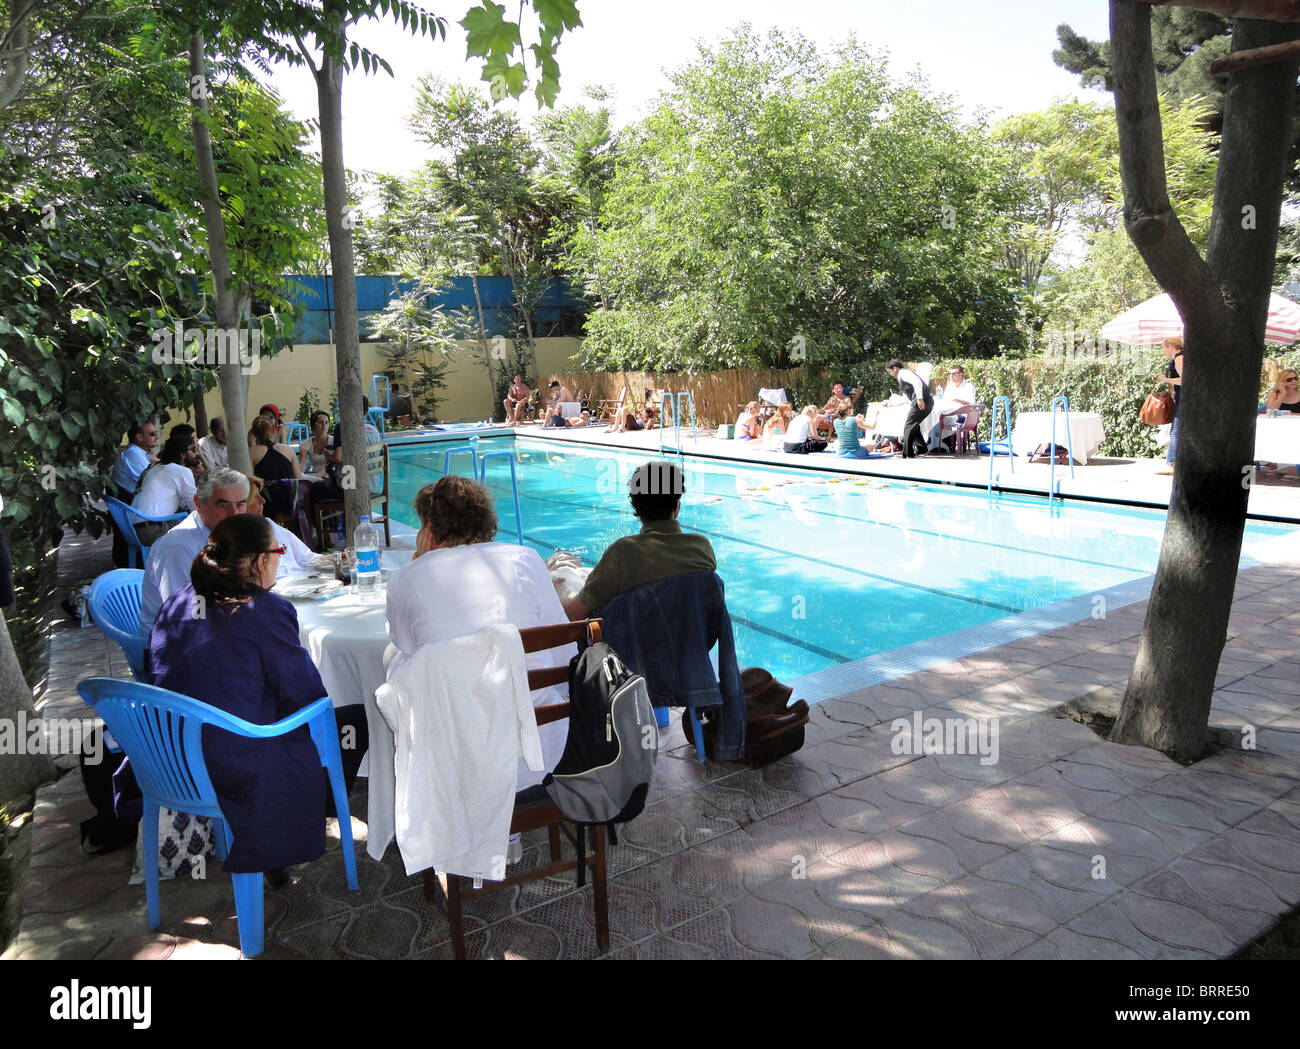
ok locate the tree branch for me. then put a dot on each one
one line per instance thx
(1256, 56)
(1148, 215)
(1268, 10)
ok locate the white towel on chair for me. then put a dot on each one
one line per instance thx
(461, 716)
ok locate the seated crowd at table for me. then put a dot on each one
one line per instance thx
(219, 632)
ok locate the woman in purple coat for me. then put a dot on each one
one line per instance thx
(227, 641)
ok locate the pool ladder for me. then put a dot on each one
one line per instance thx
(1053, 485)
(1005, 404)
(676, 401)
(480, 464)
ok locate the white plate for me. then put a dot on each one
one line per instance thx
(298, 589)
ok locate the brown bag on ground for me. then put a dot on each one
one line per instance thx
(773, 729)
(1157, 409)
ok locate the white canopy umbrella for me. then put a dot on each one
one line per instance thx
(1151, 322)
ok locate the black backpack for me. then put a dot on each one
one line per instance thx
(604, 775)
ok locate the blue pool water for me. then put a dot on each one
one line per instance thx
(823, 569)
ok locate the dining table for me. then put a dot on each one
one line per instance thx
(346, 636)
(1033, 431)
(1277, 439)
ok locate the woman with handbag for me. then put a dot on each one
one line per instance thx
(1173, 376)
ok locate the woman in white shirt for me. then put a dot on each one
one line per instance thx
(460, 582)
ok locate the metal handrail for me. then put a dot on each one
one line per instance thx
(514, 486)
(1005, 402)
(1064, 402)
(676, 400)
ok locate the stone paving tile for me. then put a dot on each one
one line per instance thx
(816, 896)
(572, 920)
(1248, 775)
(776, 926)
(1200, 792)
(1131, 764)
(951, 908)
(914, 937)
(1088, 787)
(669, 903)
(852, 814)
(1151, 929)
(1008, 904)
(1236, 852)
(713, 934)
(660, 949)
(1061, 881)
(971, 767)
(1234, 902)
(1014, 813)
(869, 944)
(1109, 821)
(878, 806)
(801, 831)
(1070, 945)
(942, 826)
(1124, 852)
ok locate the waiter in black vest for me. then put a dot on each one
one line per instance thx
(917, 391)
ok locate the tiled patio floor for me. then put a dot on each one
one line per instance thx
(1067, 847)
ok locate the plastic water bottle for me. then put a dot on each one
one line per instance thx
(366, 573)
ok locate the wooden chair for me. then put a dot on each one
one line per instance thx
(539, 814)
(611, 406)
(377, 470)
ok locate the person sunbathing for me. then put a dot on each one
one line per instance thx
(775, 428)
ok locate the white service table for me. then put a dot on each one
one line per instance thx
(887, 420)
(1278, 440)
(1033, 430)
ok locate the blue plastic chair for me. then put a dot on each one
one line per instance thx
(115, 607)
(160, 731)
(122, 515)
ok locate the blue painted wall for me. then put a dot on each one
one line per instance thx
(559, 313)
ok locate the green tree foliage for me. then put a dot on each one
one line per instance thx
(1184, 42)
(781, 205)
(1112, 277)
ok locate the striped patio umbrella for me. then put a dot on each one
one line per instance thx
(1151, 322)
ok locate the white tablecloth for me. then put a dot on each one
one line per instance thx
(1033, 430)
(346, 638)
(1277, 440)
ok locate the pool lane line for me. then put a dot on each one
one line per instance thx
(808, 646)
(935, 534)
(975, 486)
(933, 591)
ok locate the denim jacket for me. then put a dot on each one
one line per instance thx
(665, 631)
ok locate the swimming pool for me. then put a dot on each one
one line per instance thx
(824, 569)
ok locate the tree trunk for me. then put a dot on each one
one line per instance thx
(200, 409)
(19, 773)
(347, 339)
(1224, 302)
(232, 388)
(482, 335)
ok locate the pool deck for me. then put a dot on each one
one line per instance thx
(1067, 846)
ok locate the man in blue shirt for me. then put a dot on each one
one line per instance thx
(134, 459)
(131, 462)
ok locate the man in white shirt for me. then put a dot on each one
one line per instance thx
(167, 486)
(213, 446)
(917, 391)
(220, 494)
(960, 391)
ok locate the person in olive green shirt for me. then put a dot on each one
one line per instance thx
(660, 550)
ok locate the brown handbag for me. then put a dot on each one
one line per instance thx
(1157, 409)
